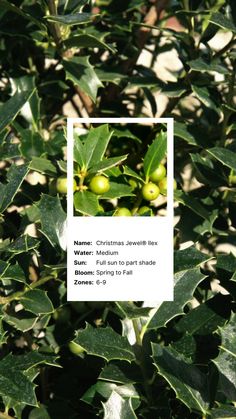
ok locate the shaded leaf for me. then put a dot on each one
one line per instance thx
(13, 106)
(225, 156)
(222, 21)
(37, 302)
(188, 382)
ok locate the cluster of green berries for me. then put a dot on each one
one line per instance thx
(99, 185)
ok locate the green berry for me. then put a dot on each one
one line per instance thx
(133, 183)
(74, 185)
(163, 186)
(145, 211)
(99, 185)
(150, 191)
(175, 184)
(61, 185)
(158, 174)
(122, 212)
(75, 348)
(232, 178)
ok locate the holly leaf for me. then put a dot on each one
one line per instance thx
(53, 220)
(105, 343)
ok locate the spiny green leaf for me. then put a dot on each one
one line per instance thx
(226, 360)
(188, 382)
(15, 177)
(13, 106)
(53, 220)
(185, 285)
(104, 342)
(225, 156)
(81, 73)
(37, 302)
(189, 258)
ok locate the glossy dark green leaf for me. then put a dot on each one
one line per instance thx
(87, 41)
(223, 412)
(96, 144)
(86, 202)
(43, 165)
(225, 156)
(73, 19)
(28, 360)
(156, 152)
(5, 4)
(206, 171)
(32, 113)
(204, 96)
(53, 220)
(226, 360)
(191, 203)
(105, 75)
(105, 343)
(222, 21)
(37, 302)
(79, 153)
(200, 65)
(181, 131)
(129, 172)
(104, 389)
(13, 106)
(22, 320)
(118, 407)
(117, 190)
(13, 272)
(206, 318)
(23, 244)
(226, 262)
(185, 285)
(32, 144)
(188, 259)
(81, 73)
(17, 386)
(15, 177)
(121, 372)
(187, 381)
(130, 311)
(107, 164)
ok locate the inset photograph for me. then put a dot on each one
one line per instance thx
(120, 169)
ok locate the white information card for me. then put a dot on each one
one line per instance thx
(119, 258)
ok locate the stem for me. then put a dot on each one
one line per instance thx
(140, 358)
(17, 295)
(137, 203)
(54, 26)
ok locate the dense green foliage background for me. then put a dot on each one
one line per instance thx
(75, 58)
